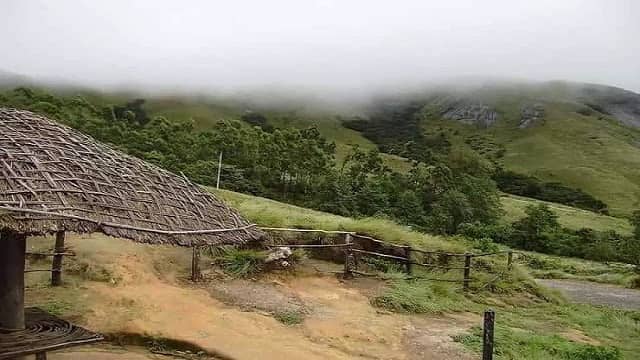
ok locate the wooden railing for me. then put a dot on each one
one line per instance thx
(352, 253)
(59, 251)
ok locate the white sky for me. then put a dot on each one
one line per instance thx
(350, 45)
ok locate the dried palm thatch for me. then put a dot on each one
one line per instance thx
(53, 178)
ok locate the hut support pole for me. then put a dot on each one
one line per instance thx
(195, 264)
(12, 280)
(56, 266)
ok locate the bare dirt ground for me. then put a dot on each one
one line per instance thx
(104, 352)
(232, 319)
(595, 293)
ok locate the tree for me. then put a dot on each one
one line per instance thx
(536, 230)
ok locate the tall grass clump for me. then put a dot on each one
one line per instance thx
(420, 297)
(241, 262)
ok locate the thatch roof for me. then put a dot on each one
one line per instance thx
(54, 178)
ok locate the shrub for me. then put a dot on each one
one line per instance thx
(289, 317)
(241, 263)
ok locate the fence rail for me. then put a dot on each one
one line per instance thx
(351, 255)
(58, 253)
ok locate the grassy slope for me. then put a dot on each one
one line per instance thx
(569, 147)
(272, 213)
(569, 217)
(599, 156)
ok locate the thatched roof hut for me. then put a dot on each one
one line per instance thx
(53, 178)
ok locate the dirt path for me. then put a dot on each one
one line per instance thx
(595, 293)
(105, 352)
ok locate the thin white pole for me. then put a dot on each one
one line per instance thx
(219, 170)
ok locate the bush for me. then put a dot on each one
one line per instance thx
(289, 317)
(241, 263)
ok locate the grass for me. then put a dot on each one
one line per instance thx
(421, 297)
(568, 217)
(557, 267)
(241, 263)
(289, 317)
(521, 344)
(271, 213)
(599, 156)
(531, 322)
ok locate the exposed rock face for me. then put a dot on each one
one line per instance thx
(621, 104)
(471, 113)
(530, 114)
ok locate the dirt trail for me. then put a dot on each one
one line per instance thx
(104, 352)
(595, 293)
(340, 325)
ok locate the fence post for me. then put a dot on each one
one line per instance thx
(348, 255)
(56, 264)
(347, 238)
(509, 259)
(487, 335)
(407, 254)
(467, 272)
(195, 264)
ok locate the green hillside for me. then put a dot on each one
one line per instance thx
(580, 141)
(599, 156)
(570, 217)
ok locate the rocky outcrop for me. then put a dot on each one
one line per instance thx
(471, 113)
(621, 104)
(530, 115)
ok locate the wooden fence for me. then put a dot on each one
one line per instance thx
(355, 247)
(59, 251)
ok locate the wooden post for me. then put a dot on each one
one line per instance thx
(408, 265)
(467, 272)
(487, 335)
(56, 265)
(347, 238)
(41, 356)
(12, 257)
(195, 264)
(348, 256)
(510, 260)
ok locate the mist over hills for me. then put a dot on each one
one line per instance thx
(586, 136)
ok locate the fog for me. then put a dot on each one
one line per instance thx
(350, 46)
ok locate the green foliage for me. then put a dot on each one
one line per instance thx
(515, 344)
(293, 164)
(420, 297)
(382, 265)
(536, 231)
(635, 221)
(241, 263)
(529, 186)
(289, 317)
